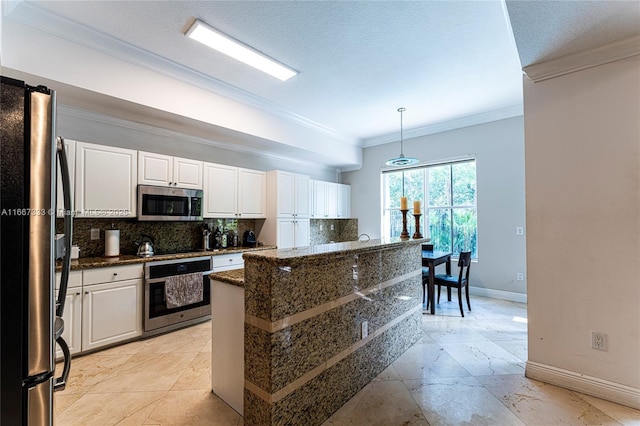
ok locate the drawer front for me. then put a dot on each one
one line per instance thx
(112, 274)
(228, 261)
(75, 279)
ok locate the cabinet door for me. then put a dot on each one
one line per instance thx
(70, 150)
(285, 194)
(302, 199)
(302, 233)
(286, 234)
(320, 208)
(106, 179)
(252, 194)
(344, 201)
(72, 314)
(187, 173)
(220, 190)
(155, 169)
(332, 200)
(111, 313)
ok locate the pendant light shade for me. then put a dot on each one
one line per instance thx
(401, 160)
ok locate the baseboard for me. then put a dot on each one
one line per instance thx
(498, 294)
(604, 389)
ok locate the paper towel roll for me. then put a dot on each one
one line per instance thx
(112, 242)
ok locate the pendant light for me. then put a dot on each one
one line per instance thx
(401, 160)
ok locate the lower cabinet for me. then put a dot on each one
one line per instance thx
(111, 313)
(293, 233)
(72, 314)
(103, 306)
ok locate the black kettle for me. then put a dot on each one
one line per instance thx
(248, 239)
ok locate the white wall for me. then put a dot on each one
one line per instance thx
(499, 151)
(582, 133)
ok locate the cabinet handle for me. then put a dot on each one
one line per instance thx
(77, 293)
(86, 292)
(115, 274)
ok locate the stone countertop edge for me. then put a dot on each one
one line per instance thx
(233, 277)
(289, 256)
(129, 259)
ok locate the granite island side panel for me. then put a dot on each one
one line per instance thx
(305, 355)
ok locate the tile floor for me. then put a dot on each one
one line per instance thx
(464, 371)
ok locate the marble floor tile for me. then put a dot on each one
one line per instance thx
(110, 408)
(380, 403)
(462, 371)
(459, 401)
(538, 403)
(484, 358)
(426, 361)
(192, 408)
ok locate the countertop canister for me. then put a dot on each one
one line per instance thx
(112, 242)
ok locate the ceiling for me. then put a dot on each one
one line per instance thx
(449, 63)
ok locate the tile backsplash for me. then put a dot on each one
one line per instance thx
(167, 236)
(181, 236)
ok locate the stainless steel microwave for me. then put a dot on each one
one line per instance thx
(176, 204)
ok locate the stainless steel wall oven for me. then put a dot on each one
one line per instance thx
(164, 311)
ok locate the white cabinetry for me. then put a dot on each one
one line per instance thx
(165, 170)
(105, 181)
(344, 201)
(288, 195)
(231, 192)
(331, 200)
(226, 262)
(70, 150)
(72, 314)
(292, 233)
(111, 306)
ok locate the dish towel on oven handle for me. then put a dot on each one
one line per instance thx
(182, 290)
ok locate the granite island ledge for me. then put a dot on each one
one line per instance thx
(305, 354)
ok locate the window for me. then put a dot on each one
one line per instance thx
(448, 196)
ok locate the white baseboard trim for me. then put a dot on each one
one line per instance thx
(498, 294)
(604, 389)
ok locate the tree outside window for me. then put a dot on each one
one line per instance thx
(448, 194)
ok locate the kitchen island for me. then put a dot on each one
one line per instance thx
(319, 323)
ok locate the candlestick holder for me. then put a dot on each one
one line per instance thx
(405, 234)
(417, 234)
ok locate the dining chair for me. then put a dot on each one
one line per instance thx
(425, 286)
(462, 280)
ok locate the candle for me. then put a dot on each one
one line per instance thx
(403, 203)
(416, 207)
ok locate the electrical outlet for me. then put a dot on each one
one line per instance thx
(332, 226)
(95, 233)
(321, 227)
(520, 276)
(519, 230)
(599, 341)
(364, 329)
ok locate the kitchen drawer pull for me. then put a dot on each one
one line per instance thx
(77, 293)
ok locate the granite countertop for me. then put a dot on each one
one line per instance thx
(128, 259)
(234, 276)
(286, 255)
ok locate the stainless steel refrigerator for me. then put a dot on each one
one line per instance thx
(30, 318)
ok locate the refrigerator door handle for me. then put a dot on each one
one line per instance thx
(61, 382)
(68, 226)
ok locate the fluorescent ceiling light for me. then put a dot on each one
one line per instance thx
(213, 38)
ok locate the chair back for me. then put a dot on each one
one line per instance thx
(464, 263)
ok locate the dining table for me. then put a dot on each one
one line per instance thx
(431, 259)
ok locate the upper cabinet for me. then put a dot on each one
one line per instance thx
(232, 192)
(105, 181)
(331, 200)
(165, 170)
(288, 195)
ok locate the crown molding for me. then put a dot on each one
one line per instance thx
(458, 123)
(601, 55)
(107, 120)
(36, 17)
